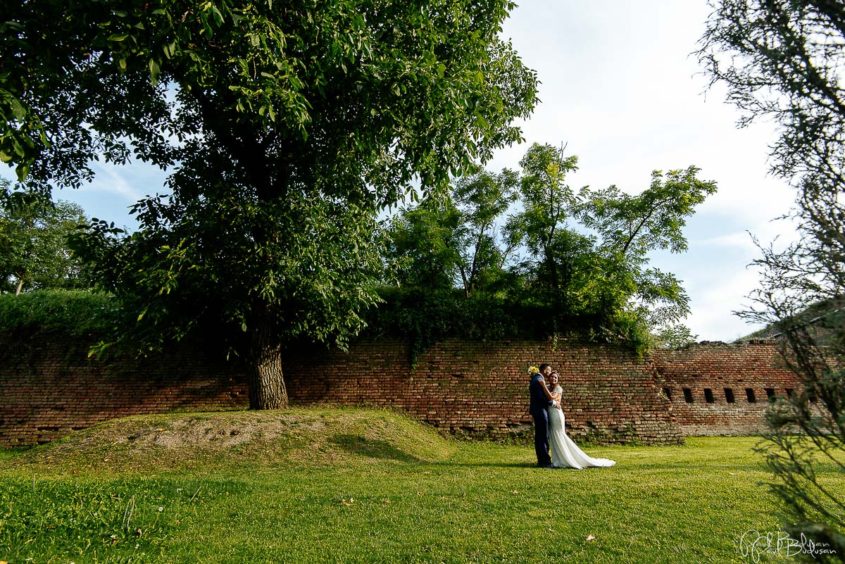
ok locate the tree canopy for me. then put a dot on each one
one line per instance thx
(529, 238)
(286, 126)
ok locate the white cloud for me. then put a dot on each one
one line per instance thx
(716, 299)
(738, 239)
(109, 179)
(779, 232)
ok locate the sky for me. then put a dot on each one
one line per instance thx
(621, 88)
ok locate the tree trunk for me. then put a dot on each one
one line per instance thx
(19, 289)
(266, 380)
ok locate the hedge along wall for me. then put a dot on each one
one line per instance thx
(719, 389)
(49, 389)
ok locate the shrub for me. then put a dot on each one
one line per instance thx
(424, 318)
(73, 312)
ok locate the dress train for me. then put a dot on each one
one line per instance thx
(565, 453)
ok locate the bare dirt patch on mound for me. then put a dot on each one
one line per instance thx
(218, 433)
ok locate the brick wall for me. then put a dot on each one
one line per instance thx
(700, 381)
(478, 387)
(50, 389)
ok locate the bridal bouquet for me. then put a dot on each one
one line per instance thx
(533, 370)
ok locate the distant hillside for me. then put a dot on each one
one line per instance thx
(824, 320)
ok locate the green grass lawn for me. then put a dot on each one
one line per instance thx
(368, 485)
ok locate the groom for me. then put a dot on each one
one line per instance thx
(540, 402)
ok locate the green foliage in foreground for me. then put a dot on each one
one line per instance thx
(361, 485)
(285, 128)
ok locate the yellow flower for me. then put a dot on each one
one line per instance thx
(533, 370)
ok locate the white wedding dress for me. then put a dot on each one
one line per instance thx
(565, 453)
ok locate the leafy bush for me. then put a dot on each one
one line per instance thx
(74, 312)
(425, 318)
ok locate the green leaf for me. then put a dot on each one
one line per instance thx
(169, 49)
(18, 109)
(22, 171)
(17, 147)
(218, 17)
(154, 70)
(118, 37)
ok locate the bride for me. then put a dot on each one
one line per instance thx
(565, 453)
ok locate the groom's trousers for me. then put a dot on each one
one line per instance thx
(541, 437)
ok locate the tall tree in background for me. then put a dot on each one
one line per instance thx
(453, 239)
(629, 228)
(34, 248)
(588, 251)
(287, 126)
(422, 247)
(528, 239)
(785, 60)
(547, 203)
(483, 198)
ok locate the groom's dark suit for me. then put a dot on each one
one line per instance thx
(538, 409)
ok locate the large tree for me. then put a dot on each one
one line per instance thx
(34, 247)
(632, 226)
(548, 203)
(785, 60)
(286, 126)
(483, 198)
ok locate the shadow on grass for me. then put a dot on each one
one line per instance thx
(373, 449)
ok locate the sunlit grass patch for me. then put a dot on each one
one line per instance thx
(372, 485)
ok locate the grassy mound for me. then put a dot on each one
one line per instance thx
(185, 441)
